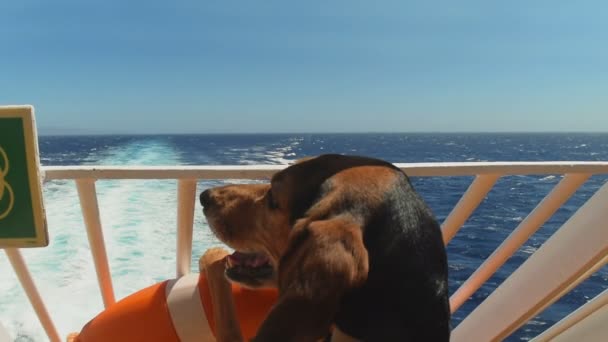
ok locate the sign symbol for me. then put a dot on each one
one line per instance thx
(5, 188)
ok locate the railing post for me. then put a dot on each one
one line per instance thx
(467, 204)
(576, 318)
(567, 258)
(90, 213)
(186, 194)
(543, 211)
(16, 260)
(4, 334)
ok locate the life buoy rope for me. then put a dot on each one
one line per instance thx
(186, 309)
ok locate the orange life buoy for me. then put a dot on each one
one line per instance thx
(175, 310)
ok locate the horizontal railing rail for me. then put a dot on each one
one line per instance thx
(485, 174)
(266, 171)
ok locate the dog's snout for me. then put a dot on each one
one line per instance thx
(206, 199)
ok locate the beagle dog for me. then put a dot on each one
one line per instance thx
(348, 243)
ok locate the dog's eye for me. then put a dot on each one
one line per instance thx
(272, 204)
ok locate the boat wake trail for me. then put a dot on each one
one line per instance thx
(139, 223)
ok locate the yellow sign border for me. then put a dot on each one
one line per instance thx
(26, 113)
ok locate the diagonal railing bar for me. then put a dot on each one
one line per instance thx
(600, 302)
(90, 213)
(186, 193)
(26, 281)
(467, 204)
(573, 253)
(543, 212)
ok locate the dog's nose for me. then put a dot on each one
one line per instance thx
(206, 199)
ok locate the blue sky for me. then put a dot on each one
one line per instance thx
(309, 66)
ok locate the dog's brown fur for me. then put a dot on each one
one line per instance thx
(212, 265)
(311, 222)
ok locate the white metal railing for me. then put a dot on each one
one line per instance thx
(515, 311)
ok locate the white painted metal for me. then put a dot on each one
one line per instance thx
(25, 278)
(467, 204)
(543, 211)
(163, 172)
(545, 276)
(4, 336)
(592, 329)
(90, 213)
(266, 171)
(186, 194)
(600, 302)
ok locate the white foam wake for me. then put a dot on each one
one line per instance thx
(138, 218)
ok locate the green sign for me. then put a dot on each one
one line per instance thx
(22, 219)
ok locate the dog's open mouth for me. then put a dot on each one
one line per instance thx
(249, 268)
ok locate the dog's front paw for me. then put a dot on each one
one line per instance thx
(212, 259)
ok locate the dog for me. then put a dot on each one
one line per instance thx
(349, 244)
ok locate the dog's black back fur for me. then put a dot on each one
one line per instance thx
(405, 297)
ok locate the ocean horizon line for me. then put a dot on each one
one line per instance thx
(86, 134)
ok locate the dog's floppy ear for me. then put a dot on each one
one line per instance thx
(323, 260)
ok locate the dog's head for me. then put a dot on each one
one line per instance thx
(264, 222)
